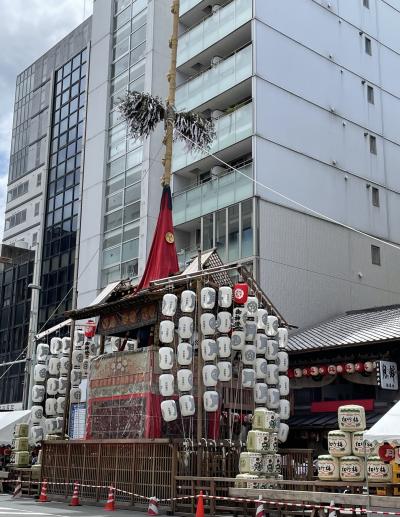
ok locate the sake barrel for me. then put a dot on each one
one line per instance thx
(21, 430)
(167, 328)
(271, 353)
(260, 393)
(207, 323)
(169, 304)
(357, 440)
(278, 463)
(283, 338)
(352, 468)
(185, 354)
(211, 401)
(21, 444)
(284, 409)
(328, 468)
(265, 419)
(188, 301)
(224, 346)
(249, 355)
(186, 405)
(185, 327)
(272, 326)
(262, 319)
(224, 371)
(258, 441)
(378, 471)
(238, 340)
(21, 459)
(283, 432)
(261, 344)
(339, 443)
(225, 296)
(251, 463)
(166, 384)
(351, 418)
(248, 378)
(207, 298)
(168, 410)
(246, 481)
(269, 464)
(224, 322)
(371, 448)
(273, 442)
(209, 349)
(251, 306)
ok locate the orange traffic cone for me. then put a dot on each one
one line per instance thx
(260, 509)
(110, 504)
(200, 505)
(43, 492)
(75, 495)
(153, 506)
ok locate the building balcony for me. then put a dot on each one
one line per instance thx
(231, 129)
(192, 11)
(232, 73)
(213, 195)
(218, 34)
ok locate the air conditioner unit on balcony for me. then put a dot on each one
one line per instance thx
(216, 114)
(217, 170)
(215, 8)
(216, 60)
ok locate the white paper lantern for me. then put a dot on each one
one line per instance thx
(91, 346)
(51, 406)
(239, 317)
(38, 393)
(42, 351)
(261, 368)
(224, 320)
(248, 378)
(209, 349)
(283, 385)
(54, 365)
(166, 358)
(188, 301)
(185, 379)
(85, 367)
(273, 398)
(52, 386)
(224, 346)
(238, 340)
(75, 395)
(249, 354)
(211, 401)
(185, 354)
(65, 366)
(260, 393)
(225, 297)
(39, 373)
(167, 328)
(261, 344)
(185, 327)
(250, 330)
(60, 405)
(283, 432)
(36, 414)
(79, 338)
(37, 433)
(262, 319)
(272, 375)
(282, 338)
(51, 425)
(298, 373)
(251, 306)
(169, 304)
(272, 326)
(210, 375)
(283, 362)
(284, 409)
(272, 350)
(224, 371)
(62, 385)
(65, 345)
(186, 405)
(77, 358)
(59, 424)
(369, 366)
(208, 323)
(55, 345)
(208, 298)
(168, 410)
(76, 377)
(166, 384)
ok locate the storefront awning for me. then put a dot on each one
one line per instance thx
(325, 421)
(8, 420)
(386, 429)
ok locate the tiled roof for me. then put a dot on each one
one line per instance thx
(355, 327)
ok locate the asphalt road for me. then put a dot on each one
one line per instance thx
(27, 507)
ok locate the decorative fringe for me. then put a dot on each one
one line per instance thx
(142, 112)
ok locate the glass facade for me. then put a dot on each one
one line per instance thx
(125, 155)
(63, 188)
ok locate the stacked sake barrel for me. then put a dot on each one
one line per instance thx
(20, 446)
(348, 450)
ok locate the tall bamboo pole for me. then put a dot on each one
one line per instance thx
(169, 121)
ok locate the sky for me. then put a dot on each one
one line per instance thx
(28, 28)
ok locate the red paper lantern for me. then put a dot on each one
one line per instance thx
(290, 373)
(369, 366)
(306, 372)
(349, 368)
(298, 373)
(323, 370)
(386, 452)
(240, 293)
(90, 330)
(340, 368)
(314, 371)
(332, 369)
(359, 367)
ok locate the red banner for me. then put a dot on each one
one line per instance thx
(333, 406)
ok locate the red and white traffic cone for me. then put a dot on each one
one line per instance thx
(200, 505)
(18, 489)
(110, 504)
(260, 509)
(153, 506)
(75, 496)
(43, 492)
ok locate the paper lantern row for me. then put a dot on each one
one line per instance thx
(332, 369)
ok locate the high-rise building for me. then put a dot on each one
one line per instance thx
(305, 102)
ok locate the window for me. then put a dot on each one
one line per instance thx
(370, 95)
(368, 46)
(376, 255)
(37, 205)
(375, 196)
(39, 180)
(372, 144)
(366, 3)
(18, 191)
(15, 219)
(34, 239)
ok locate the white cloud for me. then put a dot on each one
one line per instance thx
(27, 30)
